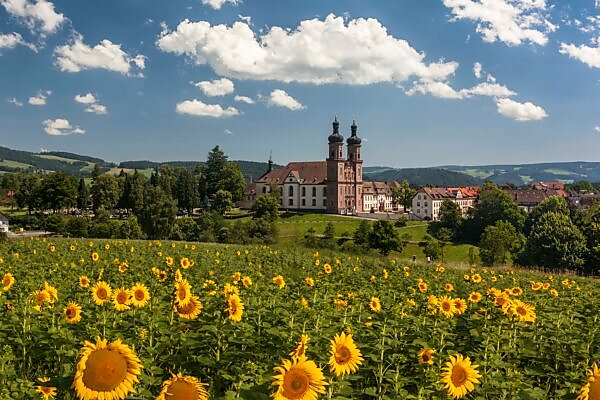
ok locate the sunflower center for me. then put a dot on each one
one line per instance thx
(104, 370)
(182, 293)
(521, 310)
(139, 295)
(5, 281)
(71, 312)
(181, 390)
(426, 357)
(594, 390)
(342, 355)
(122, 297)
(102, 294)
(459, 375)
(295, 384)
(446, 306)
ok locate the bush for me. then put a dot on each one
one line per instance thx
(401, 222)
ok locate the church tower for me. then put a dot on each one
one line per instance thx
(335, 170)
(354, 163)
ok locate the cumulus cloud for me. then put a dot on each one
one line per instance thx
(228, 131)
(218, 87)
(280, 98)
(477, 68)
(40, 98)
(78, 56)
(444, 91)
(217, 4)
(92, 103)
(586, 54)
(14, 101)
(244, 99)
(39, 14)
(333, 50)
(512, 22)
(61, 127)
(520, 111)
(198, 108)
(597, 127)
(12, 40)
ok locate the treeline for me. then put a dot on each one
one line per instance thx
(40, 163)
(553, 236)
(132, 206)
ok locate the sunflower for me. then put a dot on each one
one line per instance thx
(375, 304)
(459, 376)
(475, 297)
(52, 292)
(139, 295)
(460, 305)
(476, 278)
(554, 292)
(84, 281)
(523, 312)
(449, 287)
(446, 307)
(535, 286)
(229, 289)
(8, 280)
(304, 302)
(309, 281)
(327, 268)
(425, 356)
(279, 281)
(422, 287)
(191, 310)
(121, 299)
(180, 387)
(516, 291)
(235, 308)
(298, 379)
(162, 276)
(40, 297)
(47, 392)
(185, 263)
(169, 261)
(72, 313)
(123, 266)
(183, 292)
(106, 371)
(345, 356)
(247, 281)
(101, 292)
(591, 389)
(300, 350)
(95, 257)
(177, 275)
(237, 276)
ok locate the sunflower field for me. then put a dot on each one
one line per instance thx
(115, 320)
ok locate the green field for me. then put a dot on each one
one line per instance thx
(14, 164)
(57, 158)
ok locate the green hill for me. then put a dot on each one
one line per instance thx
(420, 176)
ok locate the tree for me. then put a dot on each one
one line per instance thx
(408, 194)
(582, 187)
(158, 214)
(222, 201)
(186, 190)
(498, 242)
(267, 207)
(555, 204)
(166, 178)
(588, 222)
(220, 174)
(451, 217)
(361, 234)
(384, 237)
(28, 194)
(105, 192)
(58, 190)
(492, 205)
(444, 235)
(431, 247)
(83, 195)
(555, 242)
(262, 230)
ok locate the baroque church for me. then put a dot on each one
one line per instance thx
(334, 186)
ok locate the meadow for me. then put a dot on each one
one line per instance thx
(110, 319)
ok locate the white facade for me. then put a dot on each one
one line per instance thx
(427, 202)
(4, 226)
(296, 195)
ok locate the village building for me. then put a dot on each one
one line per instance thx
(528, 199)
(4, 223)
(427, 202)
(334, 185)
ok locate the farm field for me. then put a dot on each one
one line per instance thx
(114, 319)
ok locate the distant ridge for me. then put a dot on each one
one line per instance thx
(420, 176)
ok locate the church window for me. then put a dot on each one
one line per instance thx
(291, 191)
(314, 202)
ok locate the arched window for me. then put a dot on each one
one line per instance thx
(303, 191)
(264, 189)
(291, 191)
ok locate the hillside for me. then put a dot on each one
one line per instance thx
(17, 160)
(523, 174)
(420, 176)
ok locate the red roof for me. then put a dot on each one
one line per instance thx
(450, 193)
(309, 172)
(548, 185)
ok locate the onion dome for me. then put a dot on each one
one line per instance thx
(335, 137)
(353, 139)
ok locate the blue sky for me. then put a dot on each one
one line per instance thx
(429, 83)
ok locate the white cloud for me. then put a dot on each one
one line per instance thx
(217, 4)
(597, 127)
(39, 13)
(244, 99)
(509, 21)
(78, 56)
(218, 87)
(228, 131)
(280, 98)
(12, 40)
(197, 107)
(444, 91)
(40, 98)
(586, 54)
(61, 127)
(87, 98)
(357, 52)
(477, 68)
(96, 109)
(520, 111)
(14, 101)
